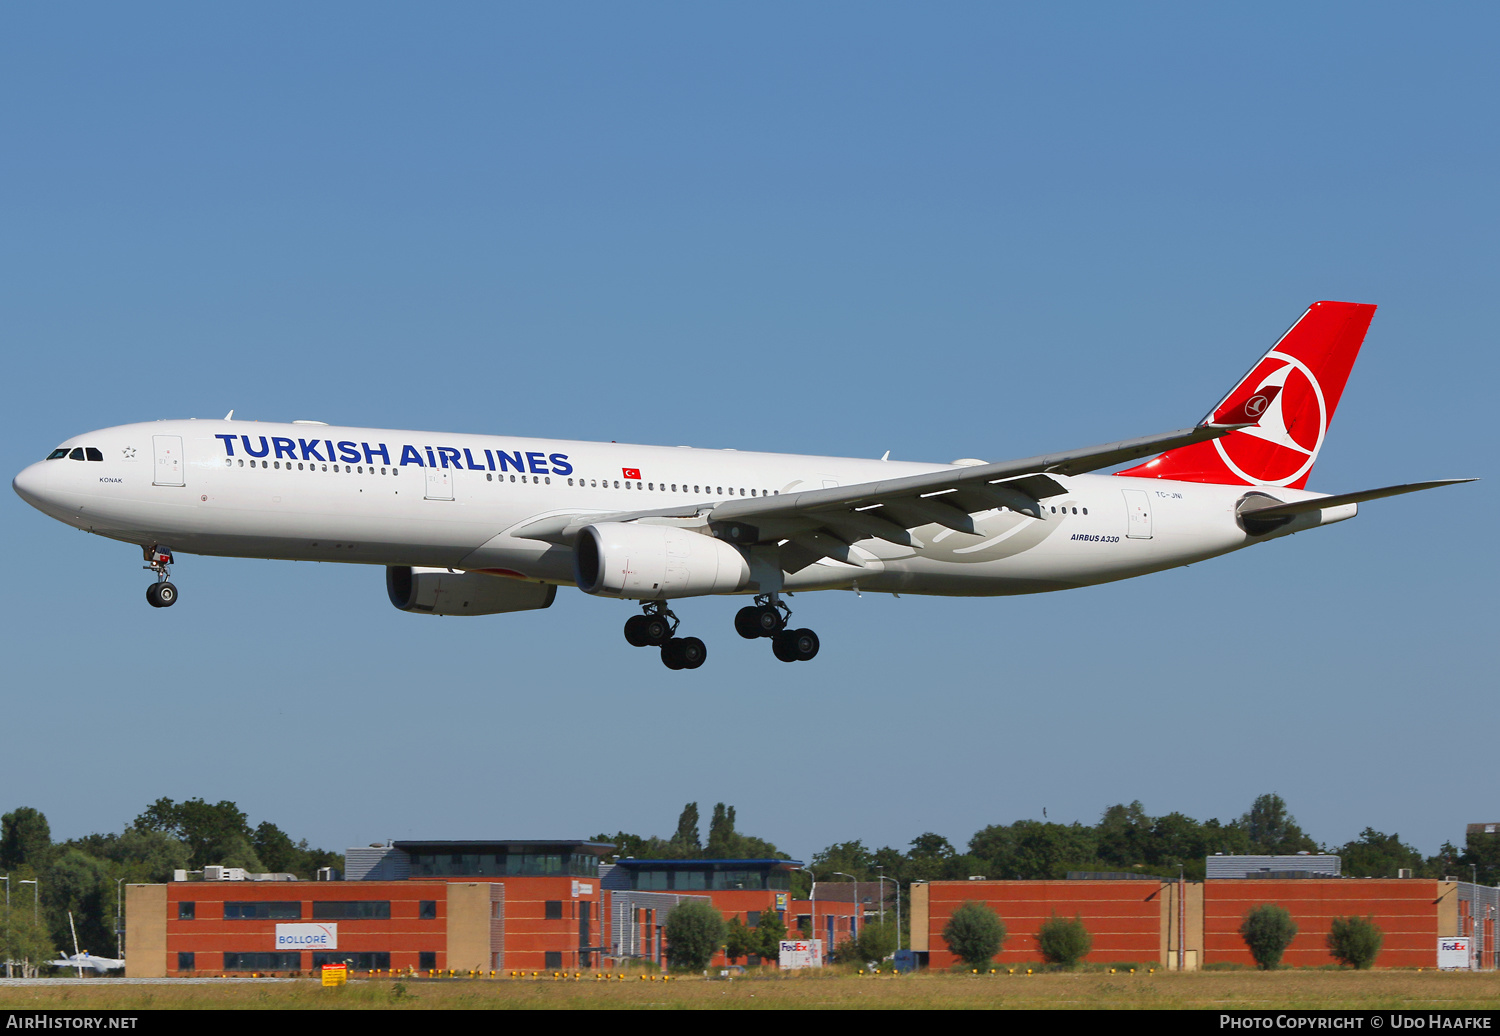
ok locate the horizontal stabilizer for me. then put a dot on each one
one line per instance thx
(1276, 509)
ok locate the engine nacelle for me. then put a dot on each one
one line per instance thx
(655, 562)
(442, 591)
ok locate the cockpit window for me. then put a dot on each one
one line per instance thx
(76, 453)
(92, 453)
(60, 452)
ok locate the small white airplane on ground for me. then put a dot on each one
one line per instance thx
(483, 524)
(85, 959)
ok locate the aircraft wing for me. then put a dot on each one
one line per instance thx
(824, 522)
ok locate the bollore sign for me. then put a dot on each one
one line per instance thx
(307, 937)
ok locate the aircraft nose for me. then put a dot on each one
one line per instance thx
(31, 485)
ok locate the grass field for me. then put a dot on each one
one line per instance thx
(1386, 990)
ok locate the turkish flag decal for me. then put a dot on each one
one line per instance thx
(632, 472)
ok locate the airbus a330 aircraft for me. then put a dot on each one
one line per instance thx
(482, 524)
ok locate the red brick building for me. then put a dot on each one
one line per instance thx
(1143, 920)
(511, 905)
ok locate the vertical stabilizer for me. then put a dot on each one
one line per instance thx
(1290, 394)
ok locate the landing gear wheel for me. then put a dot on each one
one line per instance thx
(795, 645)
(656, 629)
(166, 595)
(635, 631)
(804, 644)
(747, 623)
(683, 653)
(782, 649)
(769, 620)
(151, 592)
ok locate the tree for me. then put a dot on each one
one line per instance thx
(77, 883)
(974, 933)
(694, 931)
(687, 829)
(1355, 941)
(25, 839)
(21, 938)
(1031, 849)
(1274, 831)
(877, 940)
(212, 832)
(1377, 855)
(738, 940)
(1123, 834)
(1268, 930)
(721, 833)
(768, 935)
(928, 858)
(1064, 942)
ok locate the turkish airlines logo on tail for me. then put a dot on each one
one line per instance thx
(1291, 419)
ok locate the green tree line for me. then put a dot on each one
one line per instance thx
(86, 876)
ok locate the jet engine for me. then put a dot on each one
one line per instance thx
(442, 591)
(655, 562)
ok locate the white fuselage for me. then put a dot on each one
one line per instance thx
(313, 492)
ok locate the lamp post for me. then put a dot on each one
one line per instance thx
(36, 889)
(893, 881)
(854, 906)
(814, 932)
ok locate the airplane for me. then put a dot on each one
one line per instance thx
(85, 959)
(489, 524)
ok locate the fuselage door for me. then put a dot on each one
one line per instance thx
(439, 483)
(169, 467)
(1138, 514)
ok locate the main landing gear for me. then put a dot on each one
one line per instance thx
(655, 627)
(160, 594)
(767, 617)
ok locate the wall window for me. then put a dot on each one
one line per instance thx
(427, 910)
(350, 909)
(553, 959)
(262, 961)
(380, 961)
(554, 910)
(427, 960)
(185, 910)
(185, 962)
(269, 910)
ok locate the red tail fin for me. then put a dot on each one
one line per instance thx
(1291, 394)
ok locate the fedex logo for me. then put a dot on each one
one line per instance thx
(346, 452)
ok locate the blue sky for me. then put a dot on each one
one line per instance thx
(946, 231)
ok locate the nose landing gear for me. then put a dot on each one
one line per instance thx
(160, 594)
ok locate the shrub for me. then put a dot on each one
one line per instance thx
(1268, 930)
(694, 931)
(877, 940)
(1354, 941)
(974, 933)
(1064, 942)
